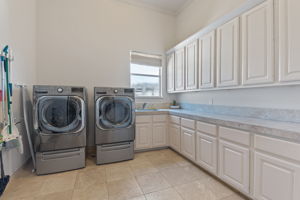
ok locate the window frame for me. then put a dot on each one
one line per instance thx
(160, 77)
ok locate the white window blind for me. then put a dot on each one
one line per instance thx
(145, 74)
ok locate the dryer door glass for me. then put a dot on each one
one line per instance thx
(60, 114)
(114, 112)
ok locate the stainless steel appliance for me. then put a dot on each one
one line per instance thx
(60, 128)
(114, 124)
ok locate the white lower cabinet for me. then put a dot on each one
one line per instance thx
(188, 144)
(143, 133)
(159, 135)
(174, 137)
(234, 165)
(206, 152)
(275, 179)
(151, 131)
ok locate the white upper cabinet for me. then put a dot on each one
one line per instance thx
(179, 69)
(191, 76)
(258, 45)
(207, 61)
(170, 72)
(289, 40)
(228, 54)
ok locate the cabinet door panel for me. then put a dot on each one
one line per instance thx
(206, 152)
(143, 138)
(170, 73)
(275, 179)
(289, 40)
(258, 45)
(188, 146)
(228, 54)
(207, 61)
(179, 69)
(174, 137)
(234, 165)
(191, 66)
(159, 135)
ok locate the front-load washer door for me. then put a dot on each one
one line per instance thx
(114, 112)
(60, 114)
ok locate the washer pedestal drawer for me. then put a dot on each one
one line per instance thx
(110, 153)
(59, 161)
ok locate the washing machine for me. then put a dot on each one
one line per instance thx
(60, 124)
(114, 124)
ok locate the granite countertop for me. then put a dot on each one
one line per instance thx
(284, 130)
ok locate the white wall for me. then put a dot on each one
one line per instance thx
(87, 42)
(18, 30)
(196, 16)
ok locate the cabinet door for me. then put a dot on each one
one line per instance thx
(228, 54)
(179, 69)
(207, 61)
(174, 137)
(206, 152)
(258, 45)
(188, 146)
(170, 72)
(289, 40)
(191, 66)
(159, 135)
(234, 165)
(275, 179)
(143, 139)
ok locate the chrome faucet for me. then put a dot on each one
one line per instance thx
(144, 106)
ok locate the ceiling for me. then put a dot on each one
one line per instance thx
(172, 7)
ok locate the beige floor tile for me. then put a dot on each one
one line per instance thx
(181, 175)
(217, 188)
(152, 182)
(118, 171)
(142, 168)
(235, 197)
(97, 191)
(169, 194)
(162, 162)
(194, 190)
(66, 195)
(123, 189)
(89, 177)
(21, 188)
(139, 198)
(59, 182)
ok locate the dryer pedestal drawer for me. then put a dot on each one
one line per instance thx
(115, 152)
(59, 161)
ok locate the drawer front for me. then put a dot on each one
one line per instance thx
(234, 135)
(143, 119)
(160, 118)
(188, 123)
(279, 147)
(174, 119)
(210, 129)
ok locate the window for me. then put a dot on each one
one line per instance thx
(145, 74)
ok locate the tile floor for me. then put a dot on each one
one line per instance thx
(155, 175)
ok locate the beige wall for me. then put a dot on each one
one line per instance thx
(196, 16)
(18, 30)
(87, 42)
(200, 13)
